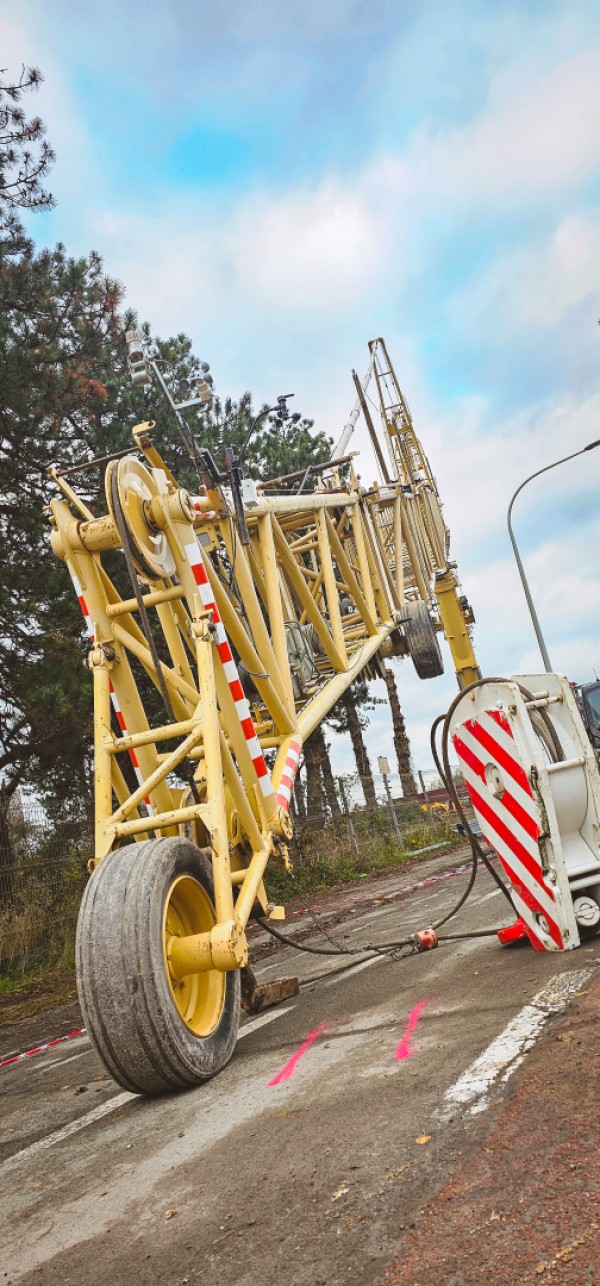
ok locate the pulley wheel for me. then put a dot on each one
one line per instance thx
(134, 486)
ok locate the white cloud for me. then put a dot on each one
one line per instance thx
(282, 287)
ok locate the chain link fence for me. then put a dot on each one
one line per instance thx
(42, 878)
(359, 826)
(370, 820)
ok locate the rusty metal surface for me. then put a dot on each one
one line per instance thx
(523, 1205)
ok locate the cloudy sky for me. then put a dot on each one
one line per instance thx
(286, 181)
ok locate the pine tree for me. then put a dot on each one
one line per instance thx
(25, 153)
(350, 716)
(401, 741)
(319, 776)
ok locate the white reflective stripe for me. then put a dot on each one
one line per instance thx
(285, 793)
(254, 747)
(265, 785)
(294, 755)
(193, 552)
(206, 594)
(242, 709)
(220, 634)
(505, 739)
(485, 756)
(526, 914)
(507, 818)
(528, 881)
(230, 669)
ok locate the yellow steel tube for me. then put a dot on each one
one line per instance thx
(214, 769)
(248, 890)
(414, 557)
(160, 821)
(382, 556)
(361, 553)
(166, 732)
(281, 713)
(174, 643)
(128, 605)
(168, 765)
(377, 578)
(274, 604)
(240, 797)
(306, 599)
(260, 634)
(455, 629)
(398, 548)
(102, 758)
(315, 711)
(182, 695)
(351, 581)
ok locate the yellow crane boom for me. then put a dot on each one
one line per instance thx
(249, 620)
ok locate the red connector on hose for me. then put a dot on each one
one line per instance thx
(425, 939)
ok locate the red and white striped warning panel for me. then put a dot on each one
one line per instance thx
(510, 819)
(288, 776)
(194, 556)
(113, 696)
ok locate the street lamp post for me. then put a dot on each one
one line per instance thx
(524, 582)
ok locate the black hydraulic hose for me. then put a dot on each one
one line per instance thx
(369, 949)
(448, 780)
(444, 770)
(542, 714)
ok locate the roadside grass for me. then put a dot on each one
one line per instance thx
(314, 872)
(37, 938)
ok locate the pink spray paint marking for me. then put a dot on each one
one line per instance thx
(290, 1066)
(403, 1048)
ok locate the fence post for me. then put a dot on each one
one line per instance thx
(391, 805)
(424, 790)
(351, 830)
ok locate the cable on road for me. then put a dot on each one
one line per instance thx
(412, 944)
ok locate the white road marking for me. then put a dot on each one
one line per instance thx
(262, 1020)
(347, 973)
(486, 897)
(66, 1131)
(59, 1061)
(509, 1049)
(112, 1104)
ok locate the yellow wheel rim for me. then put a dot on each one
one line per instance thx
(199, 997)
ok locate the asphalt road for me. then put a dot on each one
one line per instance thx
(319, 1178)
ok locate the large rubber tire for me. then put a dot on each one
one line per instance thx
(422, 640)
(152, 1037)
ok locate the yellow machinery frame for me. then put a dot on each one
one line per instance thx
(340, 562)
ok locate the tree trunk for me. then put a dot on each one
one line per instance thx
(321, 791)
(329, 786)
(7, 853)
(401, 742)
(360, 750)
(298, 798)
(315, 799)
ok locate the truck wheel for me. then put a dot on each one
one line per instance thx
(422, 640)
(153, 1034)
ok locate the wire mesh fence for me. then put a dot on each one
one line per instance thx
(42, 878)
(361, 816)
(352, 828)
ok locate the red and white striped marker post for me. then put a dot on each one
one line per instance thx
(288, 776)
(198, 505)
(242, 707)
(511, 820)
(113, 696)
